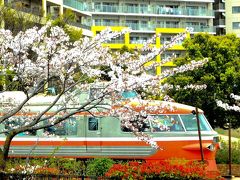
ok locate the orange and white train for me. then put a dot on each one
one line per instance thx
(87, 136)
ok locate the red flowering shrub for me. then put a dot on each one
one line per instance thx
(158, 170)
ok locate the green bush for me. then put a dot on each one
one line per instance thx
(99, 166)
(223, 153)
(63, 165)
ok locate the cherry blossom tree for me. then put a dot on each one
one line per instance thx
(38, 57)
(231, 106)
(227, 107)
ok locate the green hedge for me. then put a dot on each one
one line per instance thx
(222, 154)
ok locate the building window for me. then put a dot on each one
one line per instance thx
(235, 9)
(236, 25)
(172, 24)
(98, 22)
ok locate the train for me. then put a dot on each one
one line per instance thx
(86, 136)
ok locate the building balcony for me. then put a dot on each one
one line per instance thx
(80, 25)
(36, 15)
(219, 6)
(152, 10)
(219, 22)
(35, 10)
(152, 27)
(81, 6)
(208, 29)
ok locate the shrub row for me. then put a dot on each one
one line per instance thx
(105, 167)
(56, 166)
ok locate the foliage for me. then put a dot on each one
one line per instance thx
(221, 75)
(99, 166)
(104, 167)
(222, 156)
(46, 166)
(65, 22)
(158, 170)
(16, 20)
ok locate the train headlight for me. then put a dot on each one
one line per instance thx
(216, 139)
(211, 147)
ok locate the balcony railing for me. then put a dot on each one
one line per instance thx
(153, 10)
(152, 27)
(80, 25)
(76, 5)
(219, 6)
(37, 10)
(219, 22)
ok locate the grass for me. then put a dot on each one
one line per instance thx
(234, 132)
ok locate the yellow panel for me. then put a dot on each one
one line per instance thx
(169, 64)
(114, 46)
(170, 30)
(96, 29)
(175, 47)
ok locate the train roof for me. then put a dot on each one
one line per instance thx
(162, 107)
(150, 106)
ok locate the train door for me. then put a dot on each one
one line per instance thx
(93, 134)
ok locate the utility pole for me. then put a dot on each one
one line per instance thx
(229, 148)
(199, 135)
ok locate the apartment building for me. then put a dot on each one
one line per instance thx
(233, 16)
(144, 17)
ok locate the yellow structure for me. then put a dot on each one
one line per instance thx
(125, 41)
(178, 47)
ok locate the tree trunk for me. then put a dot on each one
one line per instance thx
(2, 162)
(4, 152)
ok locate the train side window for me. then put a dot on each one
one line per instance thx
(58, 129)
(160, 123)
(166, 123)
(64, 128)
(92, 124)
(141, 126)
(17, 122)
(71, 127)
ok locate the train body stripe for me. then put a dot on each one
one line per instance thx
(187, 138)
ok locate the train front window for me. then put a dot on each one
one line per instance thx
(162, 123)
(190, 122)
